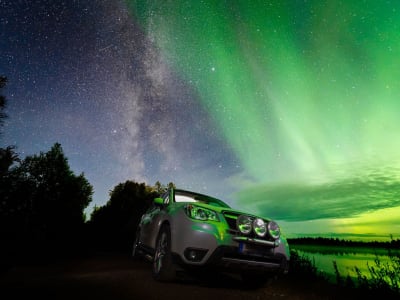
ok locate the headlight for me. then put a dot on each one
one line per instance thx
(243, 223)
(201, 213)
(274, 230)
(259, 227)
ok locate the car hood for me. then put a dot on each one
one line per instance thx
(226, 210)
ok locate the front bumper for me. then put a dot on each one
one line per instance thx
(232, 258)
(197, 243)
(240, 253)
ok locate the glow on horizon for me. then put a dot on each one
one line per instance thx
(305, 93)
(361, 227)
(367, 222)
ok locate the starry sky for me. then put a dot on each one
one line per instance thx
(283, 108)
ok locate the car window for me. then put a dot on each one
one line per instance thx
(183, 198)
(188, 197)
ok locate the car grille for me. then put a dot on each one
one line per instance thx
(231, 218)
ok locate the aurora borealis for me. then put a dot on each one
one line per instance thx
(306, 93)
(286, 108)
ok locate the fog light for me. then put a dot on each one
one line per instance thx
(243, 223)
(260, 228)
(274, 230)
(192, 255)
(195, 255)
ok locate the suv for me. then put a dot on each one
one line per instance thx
(184, 228)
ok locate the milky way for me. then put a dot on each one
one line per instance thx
(84, 74)
(288, 108)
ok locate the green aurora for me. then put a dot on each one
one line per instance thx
(306, 94)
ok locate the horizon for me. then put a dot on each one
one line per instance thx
(348, 237)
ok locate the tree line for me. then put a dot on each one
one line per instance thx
(42, 204)
(321, 241)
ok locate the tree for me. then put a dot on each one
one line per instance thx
(161, 188)
(116, 221)
(43, 198)
(60, 196)
(8, 157)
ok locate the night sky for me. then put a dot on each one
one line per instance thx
(284, 108)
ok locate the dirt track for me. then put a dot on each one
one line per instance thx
(119, 277)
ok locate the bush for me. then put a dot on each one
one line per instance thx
(301, 265)
(383, 279)
(384, 276)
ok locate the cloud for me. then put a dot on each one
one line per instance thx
(367, 191)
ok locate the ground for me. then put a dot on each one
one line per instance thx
(117, 276)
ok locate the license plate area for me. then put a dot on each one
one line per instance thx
(254, 250)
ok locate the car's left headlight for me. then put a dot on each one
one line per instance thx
(274, 230)
(201, 213)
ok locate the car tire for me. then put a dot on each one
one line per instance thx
(163, 267)
(135, 249)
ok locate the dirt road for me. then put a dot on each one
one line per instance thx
(120, 277)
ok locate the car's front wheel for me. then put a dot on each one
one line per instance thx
(163, 267)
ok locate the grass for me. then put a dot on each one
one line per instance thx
(383, 279)
(383, 276)
(301, 265)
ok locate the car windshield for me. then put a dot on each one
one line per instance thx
(182, 196)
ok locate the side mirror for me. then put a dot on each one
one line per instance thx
(159, 201)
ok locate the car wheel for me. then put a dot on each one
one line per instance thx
(135, 249)
(163, 268)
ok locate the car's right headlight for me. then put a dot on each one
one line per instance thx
(201, 213)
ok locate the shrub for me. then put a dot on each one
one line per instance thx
(301, 265)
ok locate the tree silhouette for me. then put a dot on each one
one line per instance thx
(8, 157)
(60, 197)
(161, 188)
(43, 201)
(114, 224)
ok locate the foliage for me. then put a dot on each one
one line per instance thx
(113, 225)
(383, 276)
(42, 200)
(160, 188)
(348, 282)
(383, 279)
(8, 157)
(301, 265)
